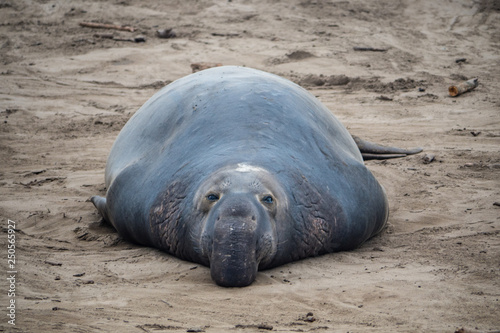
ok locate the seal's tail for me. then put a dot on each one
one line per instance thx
(373, 151)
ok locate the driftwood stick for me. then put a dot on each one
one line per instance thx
(106, 26)
(138, 39)
(370, 49)
(463, 87)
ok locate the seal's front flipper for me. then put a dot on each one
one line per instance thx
(100, 204)
(373, 151)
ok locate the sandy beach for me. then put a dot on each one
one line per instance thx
(382, 67)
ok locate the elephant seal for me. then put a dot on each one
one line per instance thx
(240, 170)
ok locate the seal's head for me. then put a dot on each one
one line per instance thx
(239, 206)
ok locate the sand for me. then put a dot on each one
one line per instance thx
(65, 93)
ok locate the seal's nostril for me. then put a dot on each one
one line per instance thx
(253, 217)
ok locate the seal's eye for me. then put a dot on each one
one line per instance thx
(212, 197)
(268, 199)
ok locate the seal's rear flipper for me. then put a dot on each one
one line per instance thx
(373, 151)
(100, 204)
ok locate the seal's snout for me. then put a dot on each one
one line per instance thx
(236, 207)
(234, 258)
(234, 261)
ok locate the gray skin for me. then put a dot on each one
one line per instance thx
(241, 170)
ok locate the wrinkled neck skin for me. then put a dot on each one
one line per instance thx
(238, 206)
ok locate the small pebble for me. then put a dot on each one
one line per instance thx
(139, 39)
(428, 158)
(166, 33)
